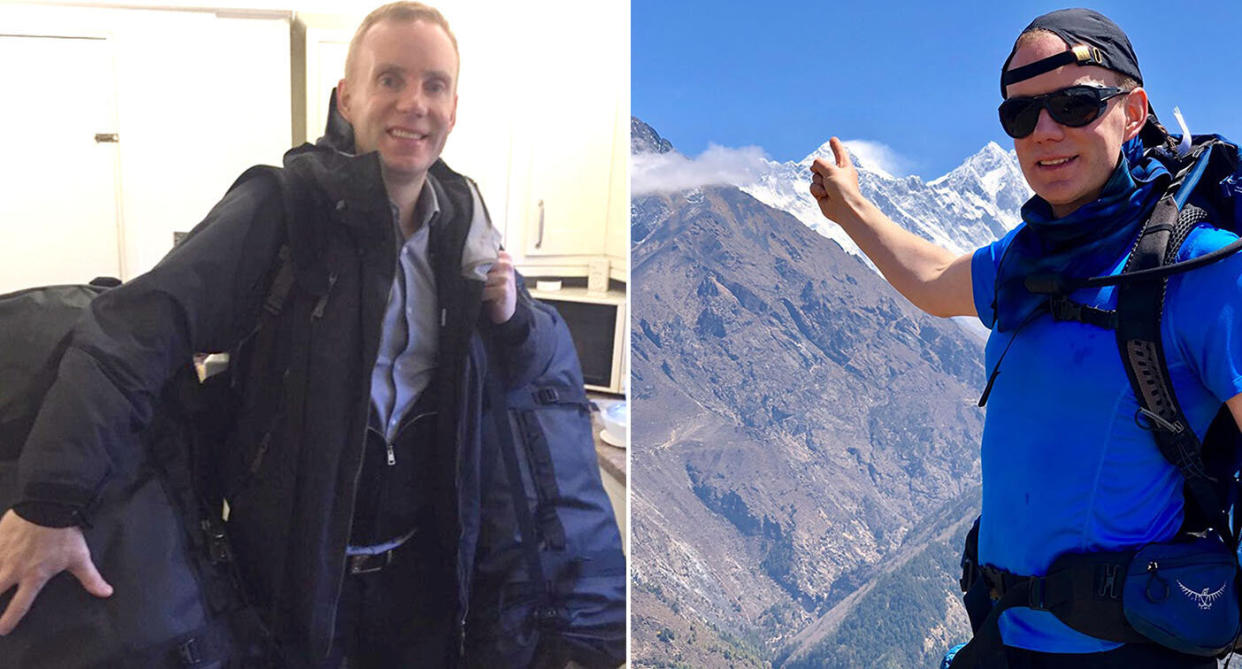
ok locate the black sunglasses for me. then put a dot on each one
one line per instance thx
(1075, 107)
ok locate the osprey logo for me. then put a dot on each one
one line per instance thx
(1205, 599)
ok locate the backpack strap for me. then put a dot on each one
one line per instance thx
(237, 631)
(264, 347)
(1065, 309)
(526, 404)
(544, 612)
(543, 475)
(1083, 590)
(1140, 307)
(258, 349)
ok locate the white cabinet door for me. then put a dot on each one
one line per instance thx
(566, 204)
(58, 207)
(576, 82)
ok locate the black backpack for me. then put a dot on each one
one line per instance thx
(156, 530)
(1089, 592)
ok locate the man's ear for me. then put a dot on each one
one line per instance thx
(344, 98)
(1136, 112)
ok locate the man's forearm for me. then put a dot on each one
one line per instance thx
(911, 264)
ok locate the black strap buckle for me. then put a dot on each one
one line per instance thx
(370, 563)
(995, 580)
(1035, 599)
(1107, 578)
(188, 652)
(218, 550)
(968, 574)
(1064, 309)
(547, 396)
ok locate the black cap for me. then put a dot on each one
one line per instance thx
(1093, 40)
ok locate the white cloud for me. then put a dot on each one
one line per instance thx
(671, 172)
(879, 157)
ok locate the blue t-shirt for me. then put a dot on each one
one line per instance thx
(1066, 468)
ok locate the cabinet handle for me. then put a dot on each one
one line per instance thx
(539, 242)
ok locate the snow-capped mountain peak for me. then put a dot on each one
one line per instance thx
(970, 206)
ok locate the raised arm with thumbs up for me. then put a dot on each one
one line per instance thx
(931, 277)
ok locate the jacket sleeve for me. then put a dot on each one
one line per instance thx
(203, 296)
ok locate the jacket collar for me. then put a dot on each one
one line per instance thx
(328, 177)
(357, 180)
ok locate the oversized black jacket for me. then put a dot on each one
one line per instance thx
(291, 496)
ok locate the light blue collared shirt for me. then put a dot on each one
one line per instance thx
(409, 344)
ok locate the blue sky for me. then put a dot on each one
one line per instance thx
(921, 78)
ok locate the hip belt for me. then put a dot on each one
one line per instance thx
(1181, 594)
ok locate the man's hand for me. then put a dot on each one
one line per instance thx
(934, 279)
(30, 555)
(500, 291)
(834, 185)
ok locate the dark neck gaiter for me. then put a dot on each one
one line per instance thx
(1083, 244)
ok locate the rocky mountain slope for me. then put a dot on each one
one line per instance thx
(805, 452)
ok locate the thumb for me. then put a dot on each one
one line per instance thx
(839, 152)
(88, 575)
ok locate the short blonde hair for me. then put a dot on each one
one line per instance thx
(397, 11)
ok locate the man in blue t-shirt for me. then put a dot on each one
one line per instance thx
(1066, 469)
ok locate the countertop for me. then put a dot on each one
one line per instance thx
(612, 459)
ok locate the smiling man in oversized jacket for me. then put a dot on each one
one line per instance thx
(354, 496)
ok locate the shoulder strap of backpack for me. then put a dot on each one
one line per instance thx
(1140, 307)
(260, 344)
